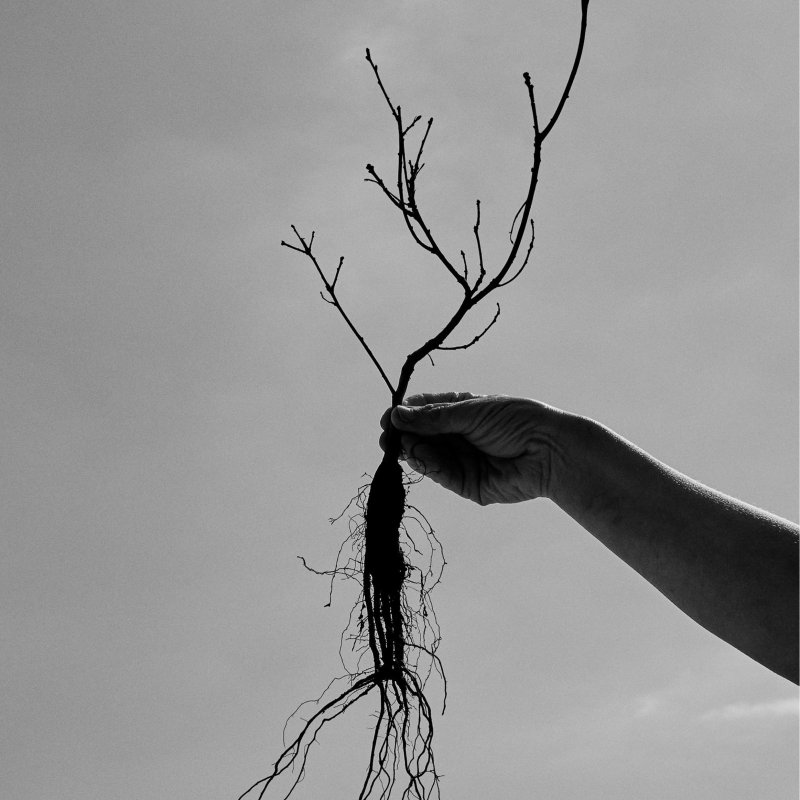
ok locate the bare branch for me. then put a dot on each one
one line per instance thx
(330, 288)
(575, 65)
(476, 231)
(510, 270)
(380, 83)
(517, 243)
(417, 165)
(514, 222)
(413, 123)
(527, 78)
(464, 261)
(338, 270)
(476, 338)
(524, 262)
(375, 178)
(407, 171)
(433, 248)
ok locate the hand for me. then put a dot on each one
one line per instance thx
(488, 449)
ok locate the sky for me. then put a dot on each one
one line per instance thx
(181, 414)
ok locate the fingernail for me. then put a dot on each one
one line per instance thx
(403, 412)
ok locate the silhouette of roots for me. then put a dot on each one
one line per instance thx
(388, 647)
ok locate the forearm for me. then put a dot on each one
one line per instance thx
(729, 566)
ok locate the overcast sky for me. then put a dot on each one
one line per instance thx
(181, 414)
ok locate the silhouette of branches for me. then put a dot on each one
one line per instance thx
(404, 196)
(330, 288)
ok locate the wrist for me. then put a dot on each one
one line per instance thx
(553, 443)
(568, 450)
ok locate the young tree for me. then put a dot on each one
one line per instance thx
(395, 633)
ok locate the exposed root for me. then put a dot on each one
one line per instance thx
(388, 648)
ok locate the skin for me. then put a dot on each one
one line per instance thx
(731, 567)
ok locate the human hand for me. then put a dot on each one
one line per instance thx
(488, 449)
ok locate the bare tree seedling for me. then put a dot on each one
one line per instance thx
(392, 551)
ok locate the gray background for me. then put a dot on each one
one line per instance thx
(181, 413)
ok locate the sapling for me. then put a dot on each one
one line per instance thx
(392, 551)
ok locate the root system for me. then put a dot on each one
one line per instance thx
(388, 648)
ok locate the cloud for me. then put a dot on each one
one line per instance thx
(649, 704)
(786, 707)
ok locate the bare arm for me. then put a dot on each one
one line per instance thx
(729, 566)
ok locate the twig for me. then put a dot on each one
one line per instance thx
(330, 287)
(476, 338)
(407, 171)
(476, 231)
(575, 65)
(524, 261)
